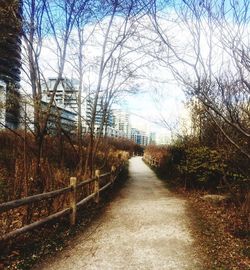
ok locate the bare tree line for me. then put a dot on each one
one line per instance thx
(59, 27)
(212, 62)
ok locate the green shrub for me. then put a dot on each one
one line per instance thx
(202, 167)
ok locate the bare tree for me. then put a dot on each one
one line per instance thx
(117, 27)
(43, 21)
(212, 63)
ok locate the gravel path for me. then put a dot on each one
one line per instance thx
(145, 227)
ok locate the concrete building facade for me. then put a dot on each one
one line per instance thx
(140, 137)
(66, 98)
(10, 59)
(121, 122)
(66, 93)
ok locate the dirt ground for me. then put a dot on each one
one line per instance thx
(145, 227)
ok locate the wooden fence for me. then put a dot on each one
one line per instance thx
(153, 162)
(73, 206)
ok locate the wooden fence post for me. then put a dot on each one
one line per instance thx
(97, 185)
(73, 200)
(112, 175)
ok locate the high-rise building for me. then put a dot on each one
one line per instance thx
(60, 115)
(65, 105)
(103, 118)
(139, 136)
(66, 93)
(152, 138)
(121, 122)
(66, 97)
(10, 58)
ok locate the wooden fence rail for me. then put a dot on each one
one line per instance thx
(28, 200)
(73, 207)
(154, 162)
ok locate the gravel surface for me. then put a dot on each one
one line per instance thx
(145, 227)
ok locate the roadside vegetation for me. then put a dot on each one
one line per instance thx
(204, 164)
(59, 163)
(211, 153)
(48, 145)
(32, 248)
(18, 179)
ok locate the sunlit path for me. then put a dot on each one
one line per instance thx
(145, 227)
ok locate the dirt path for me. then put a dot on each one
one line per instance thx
(145, 227)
